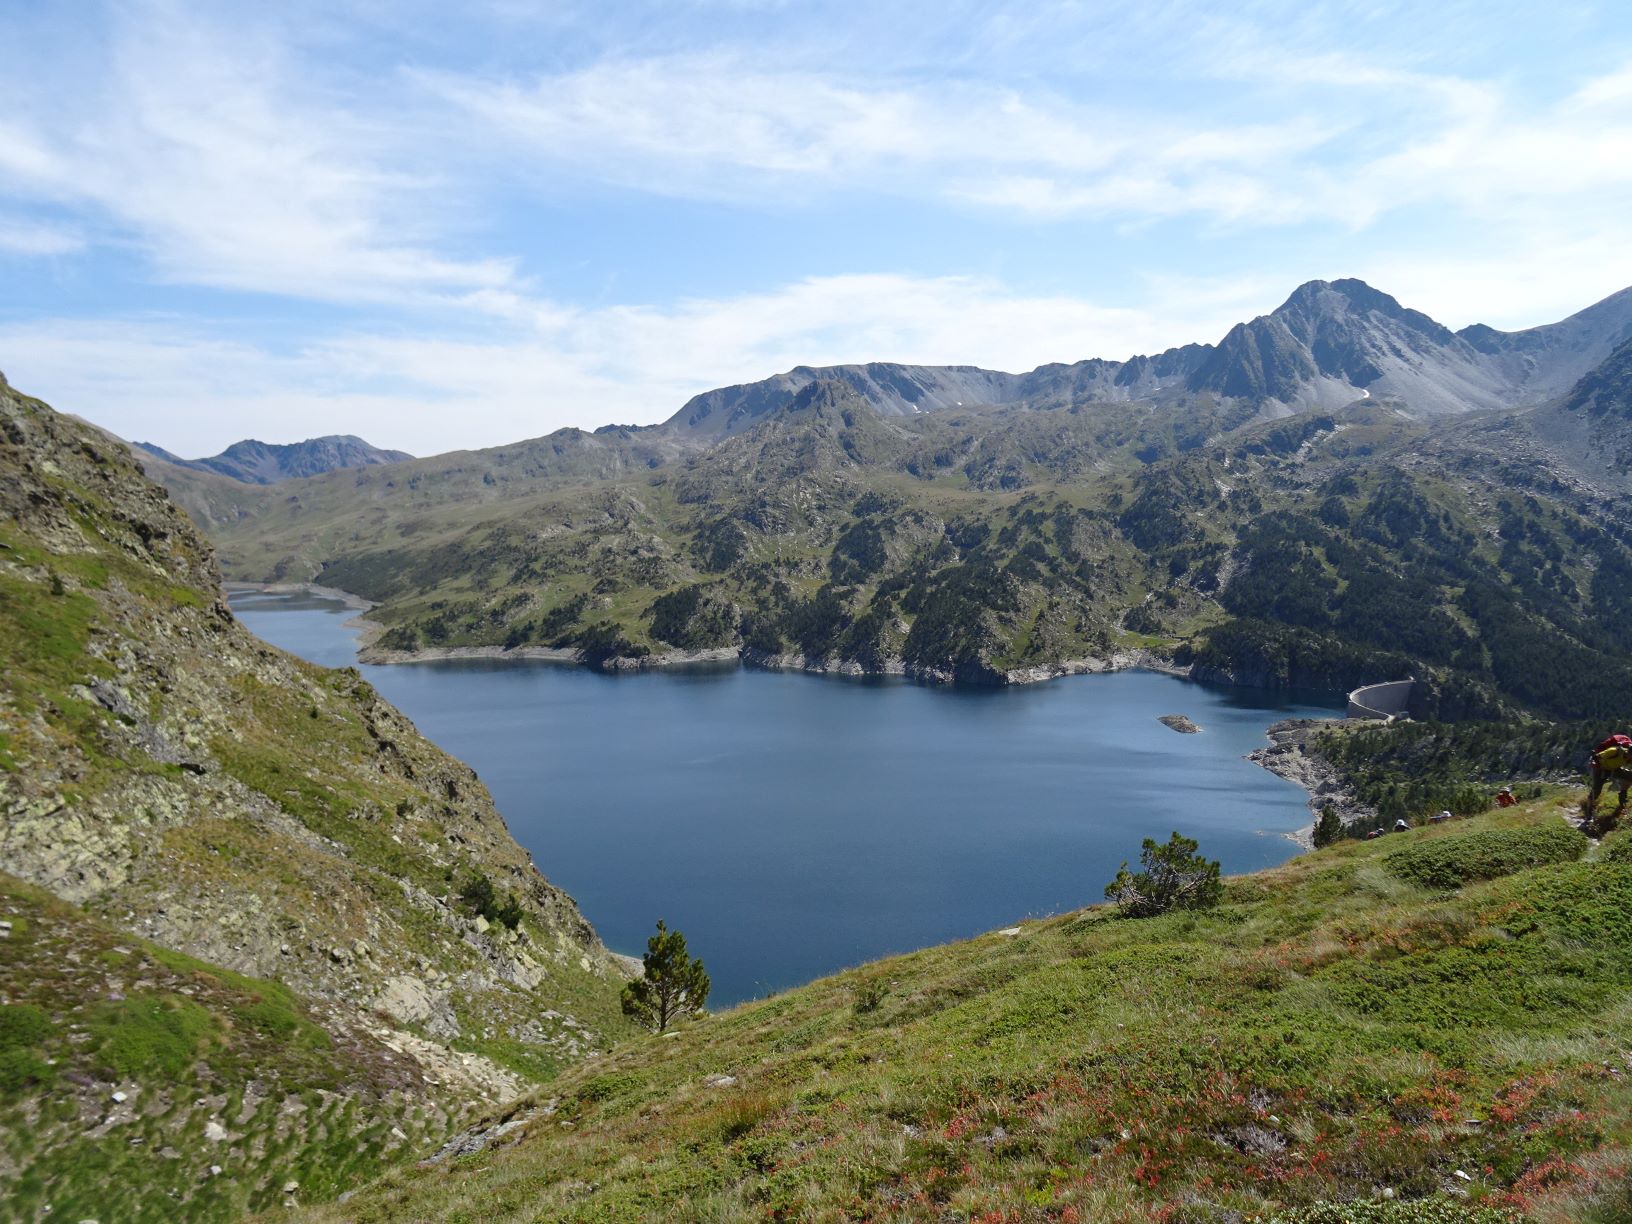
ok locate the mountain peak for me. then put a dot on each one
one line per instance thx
(1347, 295)
(252, 461)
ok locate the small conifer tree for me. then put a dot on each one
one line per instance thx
(1329, 828)
(673, 984)
(1174, 877)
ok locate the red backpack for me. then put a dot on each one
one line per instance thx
(1614, 741)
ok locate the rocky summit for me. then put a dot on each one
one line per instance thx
(241, 962)
(1328, 344)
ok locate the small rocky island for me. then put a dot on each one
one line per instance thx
(1179, 722)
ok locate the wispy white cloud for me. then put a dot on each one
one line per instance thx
(717, 126)
(206, 148)
(554, 366)
(30, 238)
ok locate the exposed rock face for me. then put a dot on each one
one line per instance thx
(1291, 755)
(181, 780)
(1328, 344)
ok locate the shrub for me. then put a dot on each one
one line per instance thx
(480, 897)
(510, 913)
(152, 1033)
(605, 1087)
(1450, 862)
(869, 996)
(22, 1024)
(1174, 877)
(1617, 849)
(19, 1068)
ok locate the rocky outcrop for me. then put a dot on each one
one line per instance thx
(1291, 754)
(183, 781)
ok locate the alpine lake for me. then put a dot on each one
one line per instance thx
(792, 825)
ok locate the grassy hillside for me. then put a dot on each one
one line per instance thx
(179, 781)
(1436, 1020)
(137, 1083)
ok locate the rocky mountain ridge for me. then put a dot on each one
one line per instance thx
(261, 463)
(1328, 344)
(1208, 524)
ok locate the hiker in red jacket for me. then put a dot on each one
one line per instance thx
(1612, 758)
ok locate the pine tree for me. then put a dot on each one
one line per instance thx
(673, 984)
(1174, 877)
(1329, 828)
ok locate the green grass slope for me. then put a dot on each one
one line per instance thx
(229, 1088)
(1335, 1032)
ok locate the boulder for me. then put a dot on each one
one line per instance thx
(406, 1000)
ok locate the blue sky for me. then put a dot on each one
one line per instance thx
(446, 225)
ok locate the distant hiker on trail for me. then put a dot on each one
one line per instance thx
(1402, 825)
(1504, 797)
(1612, 758)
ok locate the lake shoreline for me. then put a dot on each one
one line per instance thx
(1288, 755)
(1137, 658)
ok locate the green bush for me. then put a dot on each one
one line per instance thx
(480, 897)
(1450, 862)
(152, 1033)
(21, 1025)
(1617, 849)
(20, 1067)
(1175, 876)
(605, 1087)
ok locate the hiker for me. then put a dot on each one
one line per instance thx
(1441, 818)
(1504, 797)
(1402, 825)
(1612, 758)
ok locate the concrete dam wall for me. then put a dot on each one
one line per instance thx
(1380, 700)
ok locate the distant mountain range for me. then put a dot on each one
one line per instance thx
(254, 462)
(1339, 491)
(1329, 344)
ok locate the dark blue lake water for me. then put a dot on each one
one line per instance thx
(792, 825)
